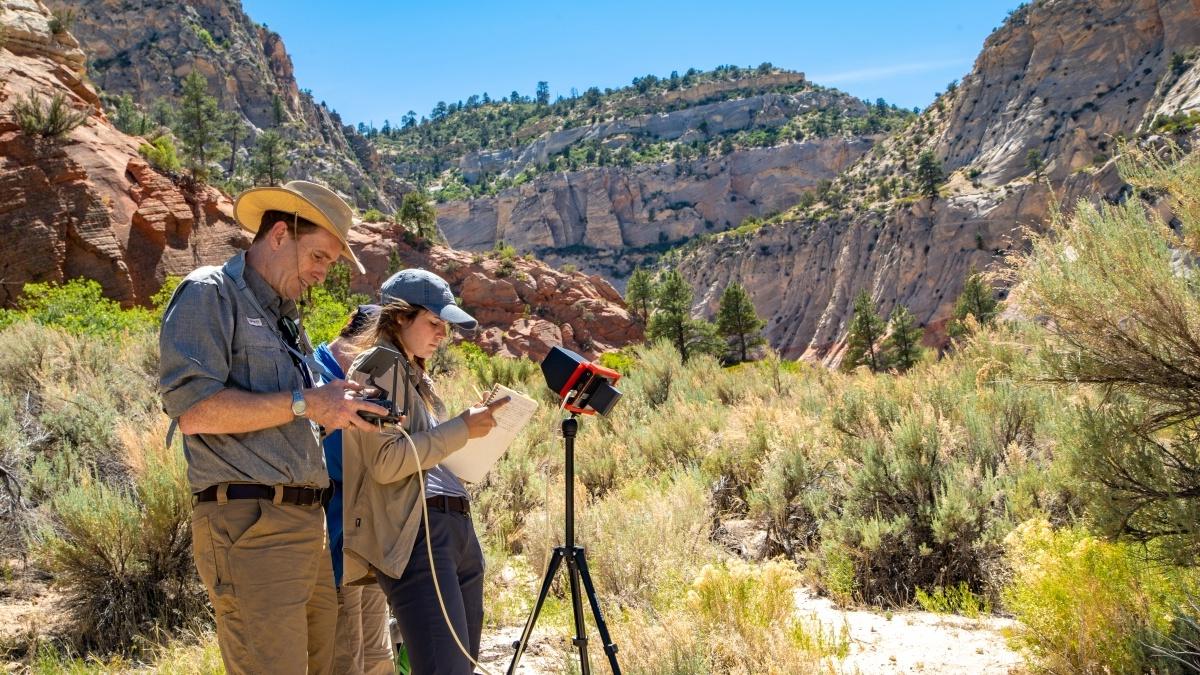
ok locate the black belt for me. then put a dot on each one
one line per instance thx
(292, 494)
(455, 504)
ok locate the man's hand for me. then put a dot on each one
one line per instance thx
(480, 419)
(332, 406)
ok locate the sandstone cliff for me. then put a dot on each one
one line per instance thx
(1061, 77)
(145, 49)
(87, 204)
(524, 307)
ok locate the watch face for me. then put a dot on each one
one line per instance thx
(299, 406)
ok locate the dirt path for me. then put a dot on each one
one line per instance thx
(900, 642)
(916, 642)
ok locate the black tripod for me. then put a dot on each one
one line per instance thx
(577, 570)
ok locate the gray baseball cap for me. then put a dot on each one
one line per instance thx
(428, 290)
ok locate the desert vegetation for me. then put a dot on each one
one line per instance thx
(1044, 468)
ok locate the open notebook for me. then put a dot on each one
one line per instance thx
(479, 455)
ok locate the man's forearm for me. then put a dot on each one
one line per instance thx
(234, 411)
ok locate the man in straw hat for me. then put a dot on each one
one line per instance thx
(236, 373)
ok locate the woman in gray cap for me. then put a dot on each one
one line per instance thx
(385, 536)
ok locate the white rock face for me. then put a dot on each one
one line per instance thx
(1063, 78)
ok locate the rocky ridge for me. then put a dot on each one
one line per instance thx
(87, 204)
(699, 122)
(607, 220)
(524, 307)
(146, 49)
(1061, 77)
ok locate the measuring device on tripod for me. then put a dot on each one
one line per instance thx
(585, 389)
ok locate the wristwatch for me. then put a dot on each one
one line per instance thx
(299, 407)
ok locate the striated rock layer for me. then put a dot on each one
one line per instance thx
(145, 49)
(608, 214)
(87, 205)
(1061, 77)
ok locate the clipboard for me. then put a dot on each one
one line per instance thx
(474, 460)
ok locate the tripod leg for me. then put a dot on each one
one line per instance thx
(610, 648)
(556, 559)
(585, 667)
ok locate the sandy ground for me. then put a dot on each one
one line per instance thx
(900, 642)
(916, 642)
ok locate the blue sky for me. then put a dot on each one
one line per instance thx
(373, 61)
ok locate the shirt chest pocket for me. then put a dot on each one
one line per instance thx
(260, 362)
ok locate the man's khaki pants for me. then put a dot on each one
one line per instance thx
(364, 643)
(267, 570)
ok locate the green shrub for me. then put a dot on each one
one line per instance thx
(753, 605)
(79, 306)
(47, 120)
(161, 154)
(374, 216)
(507, 371)
(621, 361)
(953, 600)
(1086, 605)
(123, 556)
(324, 315)
(61, 20)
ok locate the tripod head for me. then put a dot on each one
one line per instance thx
(585, 387)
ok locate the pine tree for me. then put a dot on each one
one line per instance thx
(903, 343)
(418, 215)
(639, 293)
(277, 113)
(269, 161)
(200, 127)
(1034, 162)
(978, 300)
(865, 330)
(672, 319)
(738, 322)
(929, 174)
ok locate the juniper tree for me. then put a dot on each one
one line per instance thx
(903, 343)
(277, 113)
(929, 174)
(269, 162)
(418, 215)
(738, 322)
(639, 293)
(200, 126)
(866, 328)
(672, 319)
(978, 300)
(1034, 162)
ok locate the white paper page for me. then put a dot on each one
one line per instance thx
(479, 455)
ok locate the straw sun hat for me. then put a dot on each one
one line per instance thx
(314, 203)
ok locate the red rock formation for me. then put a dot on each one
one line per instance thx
(87, 204)
(524, 307)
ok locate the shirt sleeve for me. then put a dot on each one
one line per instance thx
(195, 346)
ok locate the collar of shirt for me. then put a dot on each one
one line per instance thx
(267, 296)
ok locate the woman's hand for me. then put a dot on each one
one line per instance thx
(480, 419)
